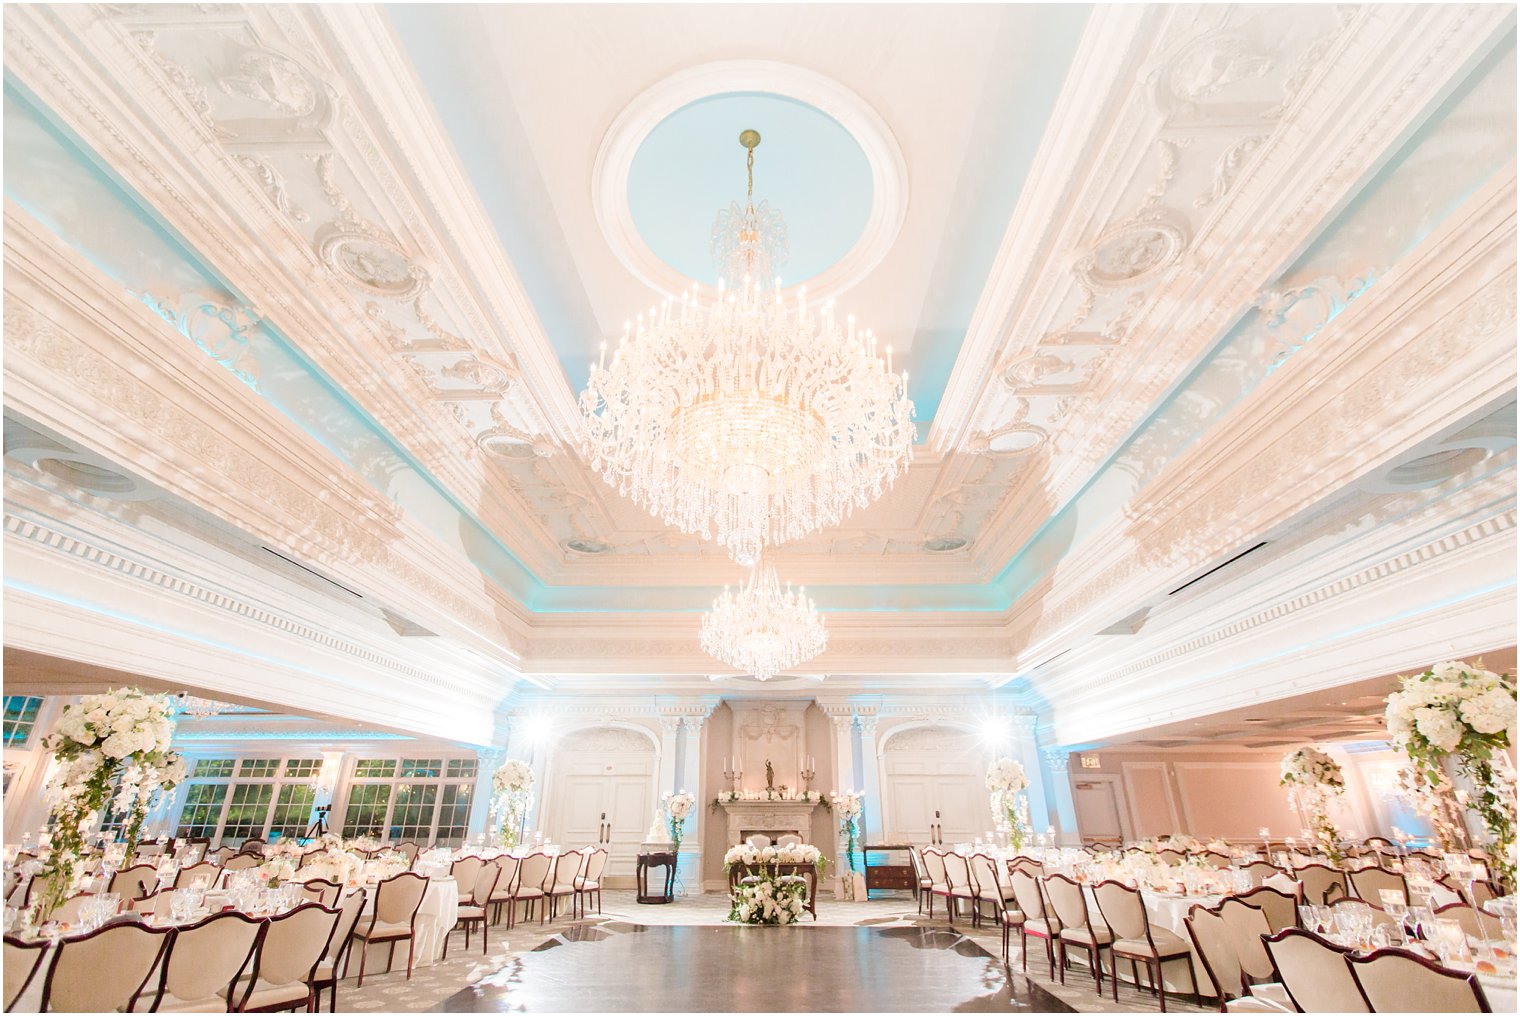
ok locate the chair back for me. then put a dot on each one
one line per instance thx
(205, 870)
(22, 959)
(294, 943)
(398, 897)
(136, 882)
(1395, 980)
(1122, 908)
(320, 890)
(253, 845)
(485, 884)
(934, 866)
(1368, 884)
(1029, 864)
(984, 878)
(1066, 900)
(210, 955)
(1280, 908)
(957, 873)
(465, 870)
(240, 861)
(566, 867)
(1247, 926)
(409, 848)
(1322, 883)
(104, 970)
(1259, 871)
(1026, 890)
(1216, 859)
(508, 865)
(1315, 973)
(1473, 921)
(1215, 945)
(351, 909)
(789, 840)
(595, 865)
(532, 871)
(69, 910)
(1171, 856)
(220, 855)
(759, 841)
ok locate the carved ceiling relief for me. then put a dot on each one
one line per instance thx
(1220, 82)
(274, 113)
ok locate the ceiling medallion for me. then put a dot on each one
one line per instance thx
(763, 630)
(747, 418)
(1131, 252)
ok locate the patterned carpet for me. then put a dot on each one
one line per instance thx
(431, 986)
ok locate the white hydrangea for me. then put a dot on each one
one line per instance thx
(1005, 776)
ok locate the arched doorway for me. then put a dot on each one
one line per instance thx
(601, 790)
(933, 786)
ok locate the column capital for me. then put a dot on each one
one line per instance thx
(868, 724)
(669, 724)
(1056, 759)
(1025, 723)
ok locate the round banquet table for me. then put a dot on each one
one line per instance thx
(1168, 910)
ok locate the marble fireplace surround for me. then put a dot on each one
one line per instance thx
(774, 819)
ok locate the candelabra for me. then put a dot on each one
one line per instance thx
(807, 774)
(732, 773)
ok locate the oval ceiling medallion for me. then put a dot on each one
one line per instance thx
(585, 546)
(1131, 252)
(827, 162)
(1016, 441)
(945, 544)
(372, 263)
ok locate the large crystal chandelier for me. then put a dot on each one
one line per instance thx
(742, 416)
(762, 630)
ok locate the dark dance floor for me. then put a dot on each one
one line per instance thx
(633, 968)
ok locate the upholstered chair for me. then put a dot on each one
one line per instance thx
(1066, 899)
(22, 961)
(590, 879)
(204, 962)
(136, 882)
(504, 886)
(1214, 946)
(472, 908)
(325, 977)
(1259, 871)
(1248, 926)
(1039, 921)
(1368, 884)
(1322, 884)
(102, 971)
(285, 964)
(532, 872)
(1133, 938)
(958, 884)
(238, 862)
(394, 919)
(1280, 908)
(1394, 980)
(1314, 972)
(561, 884)
(934, 868)
(464, 871)
(205, 871)
(320, 890)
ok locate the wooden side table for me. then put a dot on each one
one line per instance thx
(664, 859)
(888, 875)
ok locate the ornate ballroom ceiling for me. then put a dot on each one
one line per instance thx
(1174, 284)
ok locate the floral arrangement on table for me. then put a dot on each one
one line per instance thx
(769, 899)
(512, 786)
(1312, 779)
(757, 857)
(677, 807)
(345, 867)
(1219, 846)
(1461, 711)
(276, 870)
(1180, 842)
(121, 735)
(1007, 781)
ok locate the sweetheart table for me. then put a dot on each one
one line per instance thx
(738, 871)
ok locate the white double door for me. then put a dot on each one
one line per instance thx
(933, 800)
(606, 802)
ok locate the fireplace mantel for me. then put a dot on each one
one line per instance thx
(772, 817)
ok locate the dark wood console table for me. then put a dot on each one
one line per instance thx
(665, 859)
(887, 875)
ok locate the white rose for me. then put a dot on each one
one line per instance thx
(1439, 727)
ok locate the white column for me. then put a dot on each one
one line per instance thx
(1065, 817)
(843, 719)
(691, 780)
(488, 760)
(670, 726)
(1027, 752)
(537, 807)
(870, 778)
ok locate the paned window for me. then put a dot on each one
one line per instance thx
(20, 718)
(422, 799)
(229, 800)
(202, 813)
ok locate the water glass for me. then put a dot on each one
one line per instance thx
(181, 905)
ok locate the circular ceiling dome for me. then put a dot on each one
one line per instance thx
(827, 161)
(807, 167)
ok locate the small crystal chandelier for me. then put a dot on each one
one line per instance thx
(747, 418)
(198, 708)
(762, 630)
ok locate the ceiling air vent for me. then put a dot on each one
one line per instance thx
(316, 574)
(1217, 567)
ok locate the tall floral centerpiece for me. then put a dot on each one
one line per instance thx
(1313, 779)
(677, 807)
(1466, 713)
(512, 786)
(122, 736)
(1007, 781)
(847, 806)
